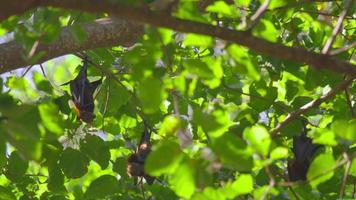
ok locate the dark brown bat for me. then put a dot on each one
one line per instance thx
(82, 94)
(136, 161)
(304, 151)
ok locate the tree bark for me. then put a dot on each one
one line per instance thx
(162, 19)
(101, 33)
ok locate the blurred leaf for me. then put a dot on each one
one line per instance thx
(192, 39)
(242, 185)
(222, 8)
(150, 92)
(55, 179)
(199, 68)
(215, 123)
(159, 163)
(119, 167)
(345, 129)
(22, 90)
(170, 126)
(234, 153)
(102, 187)
(118, 96)
(279, 153)
(21, 128)
(16, 167)
(183, 181)
(2, 151)
(96, 149)
(6, 194)
(266, 30)
(73, 163)
(259, 139)
(51, 118)
(321, 169)
(245, 64)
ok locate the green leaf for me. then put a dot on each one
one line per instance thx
(73, 163)
(51, 118)
(21, 129)
(245, 64)
(183, 179)
(22, 89)
(345, 129)
(222, 8)
(266, 30)
(321, 169)
(6, 194)
(199, 68)
(209, 193)
(118, 96)
(16, 167)
(102, 187)
(119, 167)
(192, 39)
(55, 182)
(2, 151)
(353, 167)
(215, 123)
(159, 163)
(262, 96)
(234, 154)
(169, 126)
(96, 149)
(242, 185)
(324, 136)
(150, 91)
(259, 139)
(279, 153)
(244, 3)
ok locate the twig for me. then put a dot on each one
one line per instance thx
(26, 71)
(299, 3)
(293, 115)
(106, 103)
(346, 173)
(277, 105)
(349, 103)
(324, 13)
(272, 182)
(337, 28)
(342, 49)
(43, 71)
(255, 18)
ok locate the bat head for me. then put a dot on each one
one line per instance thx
(86, 116)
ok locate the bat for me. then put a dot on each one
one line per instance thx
(304, 151)
(82, 94)
(136, 161)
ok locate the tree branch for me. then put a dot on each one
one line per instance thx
(162, 19)
(295, 114)
(101, 33)
(255, 18)
(337, 28)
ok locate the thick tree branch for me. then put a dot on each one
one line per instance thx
(295, 114)
(162, 19)
(101, 33)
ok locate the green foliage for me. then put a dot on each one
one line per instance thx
(210, 105)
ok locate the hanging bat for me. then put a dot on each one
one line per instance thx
(136, 161)
(82, 94)
(304, 151)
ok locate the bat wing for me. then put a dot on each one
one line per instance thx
(304, 149)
